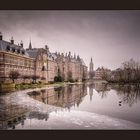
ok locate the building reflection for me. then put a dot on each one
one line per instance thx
(38, 115)
(101, 88)
(91, 87)
(11, 114)
(64, 97)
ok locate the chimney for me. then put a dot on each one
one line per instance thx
(21, 44)
(0, 36)
(46, 47)
(12, 40)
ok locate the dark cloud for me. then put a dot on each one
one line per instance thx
(110, 37)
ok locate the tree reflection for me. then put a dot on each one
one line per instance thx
(102, 89)
(129, 94)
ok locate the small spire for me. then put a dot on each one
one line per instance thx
(30, 45)
(91, 59)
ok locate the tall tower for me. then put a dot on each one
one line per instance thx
(91, 70)
(91, 66)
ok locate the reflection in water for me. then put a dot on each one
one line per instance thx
(102, 89)
(65, 97)
(129, 94)
(13, 114)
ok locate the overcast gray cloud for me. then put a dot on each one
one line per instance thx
(110, 37)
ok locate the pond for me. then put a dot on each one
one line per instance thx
(75, 106)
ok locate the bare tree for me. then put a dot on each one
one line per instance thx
(129, 72)
(13, 75)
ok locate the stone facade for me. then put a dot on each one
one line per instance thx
(39, 63)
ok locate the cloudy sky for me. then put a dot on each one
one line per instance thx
(109, 37)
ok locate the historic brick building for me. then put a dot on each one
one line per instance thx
(38, 62)
(14, 58)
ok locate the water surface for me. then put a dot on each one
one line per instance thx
(80, 106)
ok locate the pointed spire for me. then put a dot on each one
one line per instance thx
(30, 45)
(91, 59)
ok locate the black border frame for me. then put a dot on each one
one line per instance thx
(70, 5)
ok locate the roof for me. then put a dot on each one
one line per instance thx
(82, 61)
(32, 53)
(13, 48)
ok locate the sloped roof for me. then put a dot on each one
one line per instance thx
(82, 61)
(32, 53)
(8, 47)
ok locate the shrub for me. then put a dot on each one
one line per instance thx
(58, 79)
(71, 80)
(51, 82)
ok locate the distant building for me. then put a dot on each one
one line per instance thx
(102, 73)
(39, 62)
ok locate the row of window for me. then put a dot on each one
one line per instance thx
(14, 50)
(17, 61)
